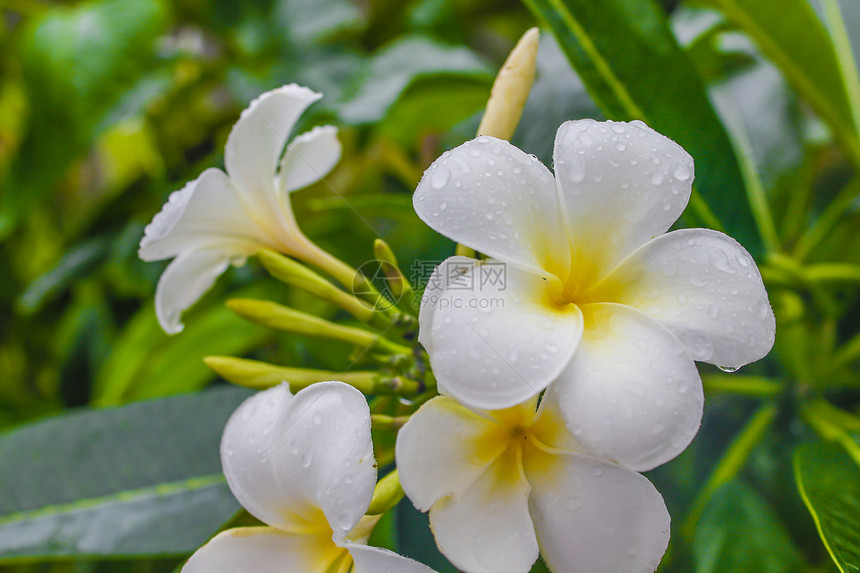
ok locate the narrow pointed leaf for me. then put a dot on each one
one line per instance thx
(829, 481)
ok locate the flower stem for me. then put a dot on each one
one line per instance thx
(295, 274)
(261, 375)
(833, 424)
(388, 423)
(732, 461)
(827, 220)
(273, 315)
(386, 495)
(754, 189)
(757, 386)
(846, 355)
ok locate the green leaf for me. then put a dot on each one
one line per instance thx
(78, 260)
(147, 363)
(418, 111)
(391, 71)
(140, 480)
(829, 482)
(791, 34)
(739, 533)
(633, 67)
(78, 62)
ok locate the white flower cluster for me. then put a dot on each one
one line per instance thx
(550, 404)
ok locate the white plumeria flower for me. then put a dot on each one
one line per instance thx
(303, 465)
(503, 485)
(219, 218)
(597, 298)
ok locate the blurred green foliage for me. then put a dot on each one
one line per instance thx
(106, 106)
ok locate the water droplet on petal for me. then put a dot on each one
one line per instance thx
(681, 172)
(440, 177)
(657, 178)
(576, 171)
(729, 369)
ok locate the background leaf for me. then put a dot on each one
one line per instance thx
(739, 533)
(790, 33)
(143, 479)
(829, 481)
(632, 65)
(401, 63)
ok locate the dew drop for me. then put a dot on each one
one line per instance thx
(656, 177)
(681, 172)
(440, 177)
(729, 369)
(576, 171)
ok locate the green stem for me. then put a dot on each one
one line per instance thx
(828, 421)
(386, 495)
(295, 274)
(704, 213)
(754, 189)
(261, 375)
(732, 461)
(827, 220)
(846, 355)
(273, 315)
(757, 386)
(833, 272)
(388, 423)
(800, 276)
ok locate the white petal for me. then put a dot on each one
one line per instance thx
(257, 140)
(309, 157)
(621, 184)
(264, 550)
(631, 391)
(704, 287)
(488, 529)
(491, 196)
(185, 280)
(206, 211)
(443, 449)
(294, 462)
(595, 517)
(492, 347)
(376, 560)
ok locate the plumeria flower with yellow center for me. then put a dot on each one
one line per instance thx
(598, 300)
(303, 465)
(502, 486)
(222, 218)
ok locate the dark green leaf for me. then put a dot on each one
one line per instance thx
(829, 481)
(77, 62)
(633, 67)
(77, 261)
(400, 64)
(147, 363)
(143, 479)
(739, 533)
(790, 33)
